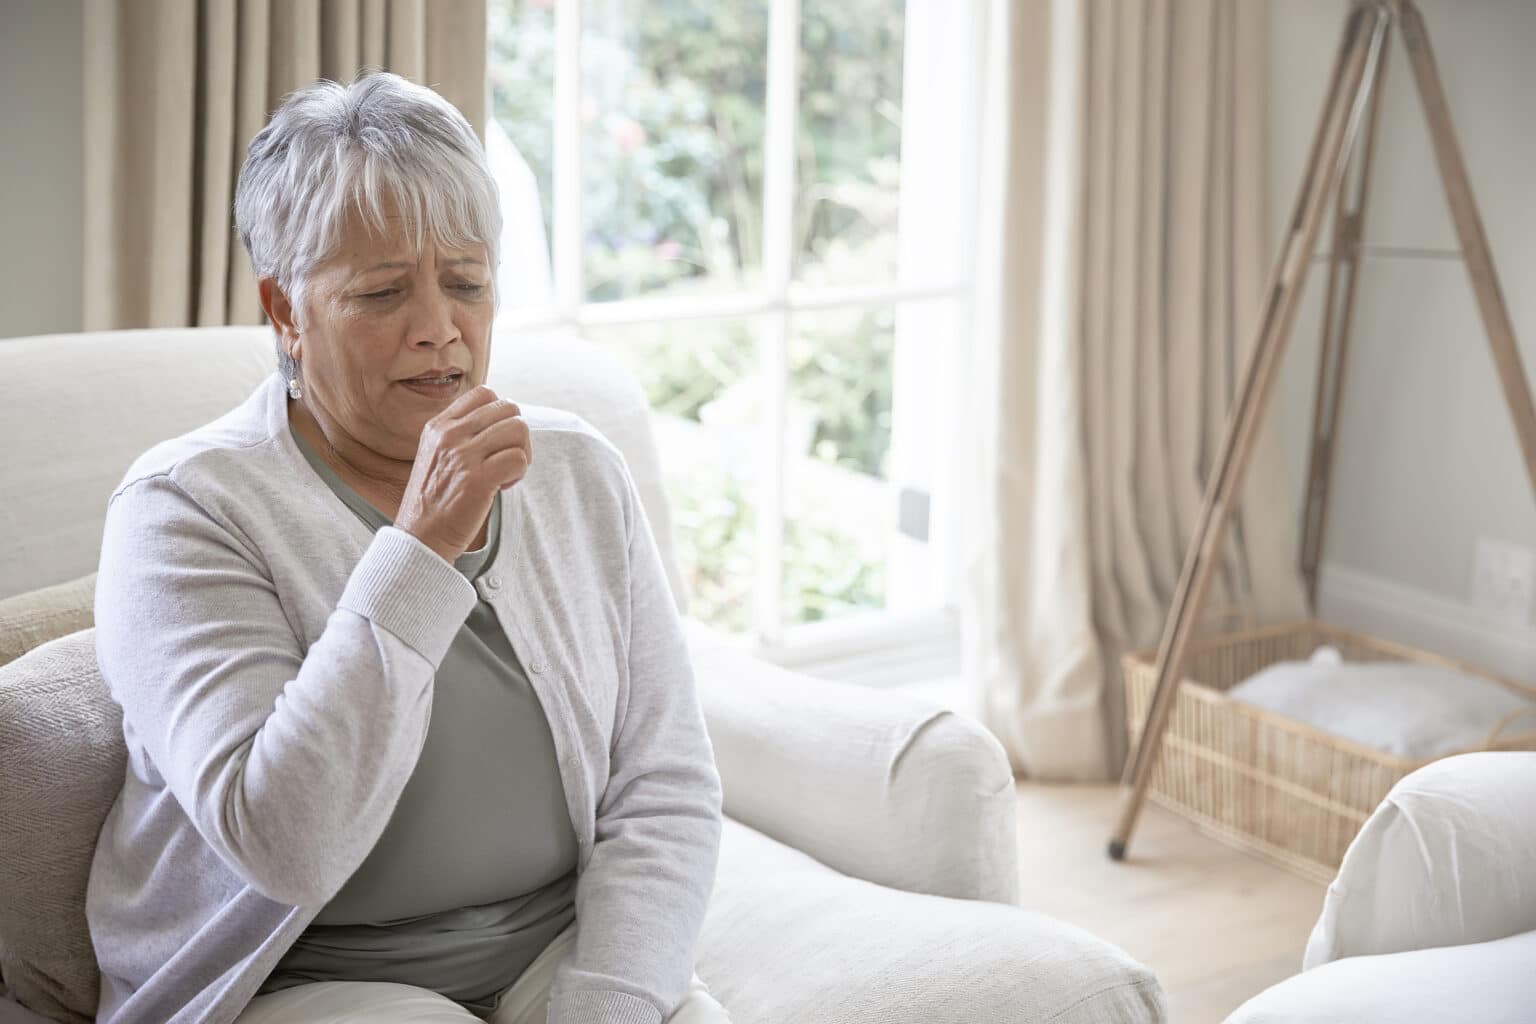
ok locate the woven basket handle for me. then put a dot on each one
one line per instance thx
(1503, 723)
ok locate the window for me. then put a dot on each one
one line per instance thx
(765, 209)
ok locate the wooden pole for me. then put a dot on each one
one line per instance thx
(1338, 319)
(1469, 230)
(1364, 37)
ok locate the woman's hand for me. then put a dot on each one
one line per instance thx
(468, 453)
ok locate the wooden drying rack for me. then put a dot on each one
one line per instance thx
(1338, 165)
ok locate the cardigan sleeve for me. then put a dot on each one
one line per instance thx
(641, 899)
(287, 762)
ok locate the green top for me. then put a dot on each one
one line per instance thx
(476, 871)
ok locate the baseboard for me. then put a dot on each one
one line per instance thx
(1394, 611)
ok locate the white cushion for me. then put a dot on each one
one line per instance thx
(1412, 711)
(788, 940)
(1448, 858)
(61, 766)
(1486, 983)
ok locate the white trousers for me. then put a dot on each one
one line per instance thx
(378, 1002)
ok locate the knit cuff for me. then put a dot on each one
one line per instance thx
(598, 1007)
(404, 586)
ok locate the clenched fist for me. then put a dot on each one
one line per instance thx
(468, 453)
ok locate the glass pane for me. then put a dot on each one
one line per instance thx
(673, 145)
(520, 145)
(848, 178)
(839, 507)
(702, 381)
(869, 419)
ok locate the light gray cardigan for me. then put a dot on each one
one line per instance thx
(274, 660)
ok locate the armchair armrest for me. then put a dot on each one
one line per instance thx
(1449, 858)
(883, 786)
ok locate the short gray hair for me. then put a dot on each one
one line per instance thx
(331, 147)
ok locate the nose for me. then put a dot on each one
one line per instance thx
(431, 325)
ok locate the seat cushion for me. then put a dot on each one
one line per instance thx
(789, 939)
(32, 619)
(1486, 982)
(62, 760)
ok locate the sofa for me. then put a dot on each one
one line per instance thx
(1432, 917)
(868, 867)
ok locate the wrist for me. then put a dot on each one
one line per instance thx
(441, 550)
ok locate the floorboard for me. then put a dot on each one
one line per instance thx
(1218, 925)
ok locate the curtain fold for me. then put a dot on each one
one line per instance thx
(1127, 268)
(174, 92)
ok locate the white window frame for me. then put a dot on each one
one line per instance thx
(891, 644)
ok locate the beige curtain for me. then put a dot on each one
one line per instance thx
(174, 91)
(1128, 265)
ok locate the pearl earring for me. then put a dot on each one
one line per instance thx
(294, 391)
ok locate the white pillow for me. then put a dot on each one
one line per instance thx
(1412, 711)
(1448, 858)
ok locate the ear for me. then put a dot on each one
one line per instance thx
(280, 312)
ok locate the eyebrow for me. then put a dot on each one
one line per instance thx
(407, 265)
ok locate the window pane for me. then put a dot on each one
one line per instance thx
(848, 177)
(520, 145)
(838, 505)
(866, 421)
(702, 381)
(673, 145)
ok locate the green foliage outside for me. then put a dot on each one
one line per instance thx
(673, 118)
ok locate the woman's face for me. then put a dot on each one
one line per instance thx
(379, 317)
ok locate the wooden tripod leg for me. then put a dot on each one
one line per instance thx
(1364, 36)
(1469, 230)
(1338, 318)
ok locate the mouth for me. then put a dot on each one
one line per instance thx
(444, 385)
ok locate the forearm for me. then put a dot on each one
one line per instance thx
(288, 762)
(640, 907)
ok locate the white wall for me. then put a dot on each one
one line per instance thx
(1427, 460)
(41, 175)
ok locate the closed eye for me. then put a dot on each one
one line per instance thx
(382, 293)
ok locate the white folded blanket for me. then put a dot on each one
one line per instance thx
(1412, 711)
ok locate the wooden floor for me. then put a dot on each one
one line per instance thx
(1216, 924)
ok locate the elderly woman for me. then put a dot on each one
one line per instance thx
(411, 726)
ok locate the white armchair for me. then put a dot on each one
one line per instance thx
(1432, 917)
(868, 865)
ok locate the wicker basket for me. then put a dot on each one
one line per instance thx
(1263, 781)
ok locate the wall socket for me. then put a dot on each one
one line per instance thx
(1504, 580)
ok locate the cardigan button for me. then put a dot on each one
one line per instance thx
(493, 582)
